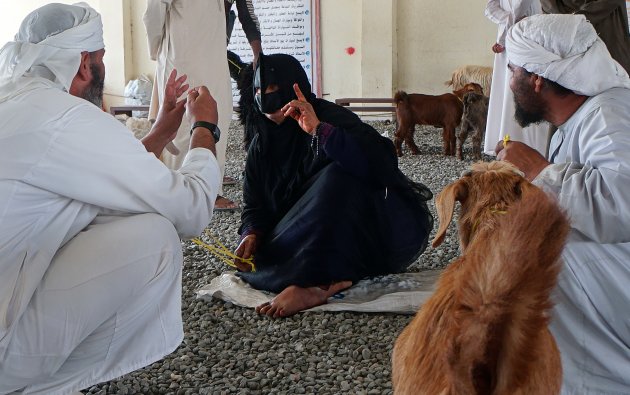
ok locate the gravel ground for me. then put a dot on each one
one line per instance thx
(231, 350)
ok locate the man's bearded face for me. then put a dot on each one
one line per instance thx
(529, 108)
(94, 92)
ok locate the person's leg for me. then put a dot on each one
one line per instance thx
(110, 303)
(225, 117)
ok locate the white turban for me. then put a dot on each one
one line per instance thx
(48, 48)
(565, 48)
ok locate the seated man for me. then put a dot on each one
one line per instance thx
(90, 219)
(325, 202)
(563, 73)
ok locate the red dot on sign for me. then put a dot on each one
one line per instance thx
(350, 50)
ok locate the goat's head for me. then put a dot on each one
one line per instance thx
(483, 191)
(469, 87)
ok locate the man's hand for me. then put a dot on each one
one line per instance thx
(245, 250)
(171, 113)
(525, 158)
(302, 111)
(498, 48)
(201, 106)
(169, 117)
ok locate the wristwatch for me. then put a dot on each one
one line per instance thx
(214, 129)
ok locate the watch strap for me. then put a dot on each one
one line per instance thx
(213, 128)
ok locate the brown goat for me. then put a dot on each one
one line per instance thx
(443, 111)
(474, 119)
(484, 330)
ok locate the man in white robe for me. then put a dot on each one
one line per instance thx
(189, 35)
(505, 13)
(90, 219)
(563, 73)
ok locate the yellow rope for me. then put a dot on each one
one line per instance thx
(476, 223)
(222, 252)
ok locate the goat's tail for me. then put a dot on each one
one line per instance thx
(504, 297)
(400, 96)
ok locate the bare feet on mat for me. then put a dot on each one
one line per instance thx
(222, 204)
(294, 299)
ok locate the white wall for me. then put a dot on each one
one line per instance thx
(436, 36)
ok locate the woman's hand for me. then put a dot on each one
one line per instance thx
(302, 111)
(245, 250)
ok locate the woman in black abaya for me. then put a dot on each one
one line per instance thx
(325, 204)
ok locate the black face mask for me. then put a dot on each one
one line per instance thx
(279, 70)
(269, 102)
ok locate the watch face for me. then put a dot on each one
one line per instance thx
(217, 134)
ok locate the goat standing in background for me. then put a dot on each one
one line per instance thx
(443, 111)
(484, 330)
(474, 119)
(471, 73)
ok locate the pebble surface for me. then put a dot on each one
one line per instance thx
(229, 349)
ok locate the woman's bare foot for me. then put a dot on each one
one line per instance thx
(294, 299)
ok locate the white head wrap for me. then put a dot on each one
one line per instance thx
(565, 48)
(48, 47)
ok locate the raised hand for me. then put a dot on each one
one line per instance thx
(171, 113)
(302, 111)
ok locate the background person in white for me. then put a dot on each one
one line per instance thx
(506, 13)
(189, 35)
(563, 73)
(90, 219)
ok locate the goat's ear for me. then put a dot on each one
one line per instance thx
(445, 205)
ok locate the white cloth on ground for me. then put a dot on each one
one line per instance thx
(566, 49)
(189, 35)
(49, 45)
(108, 304)
(590, 175)
(63, 161)
(500, 120)
(401, 293)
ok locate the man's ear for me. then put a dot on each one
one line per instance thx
(84, 73)
(83, 76)
(539, 82)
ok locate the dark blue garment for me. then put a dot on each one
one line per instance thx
(340, 229)
(326, 209)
